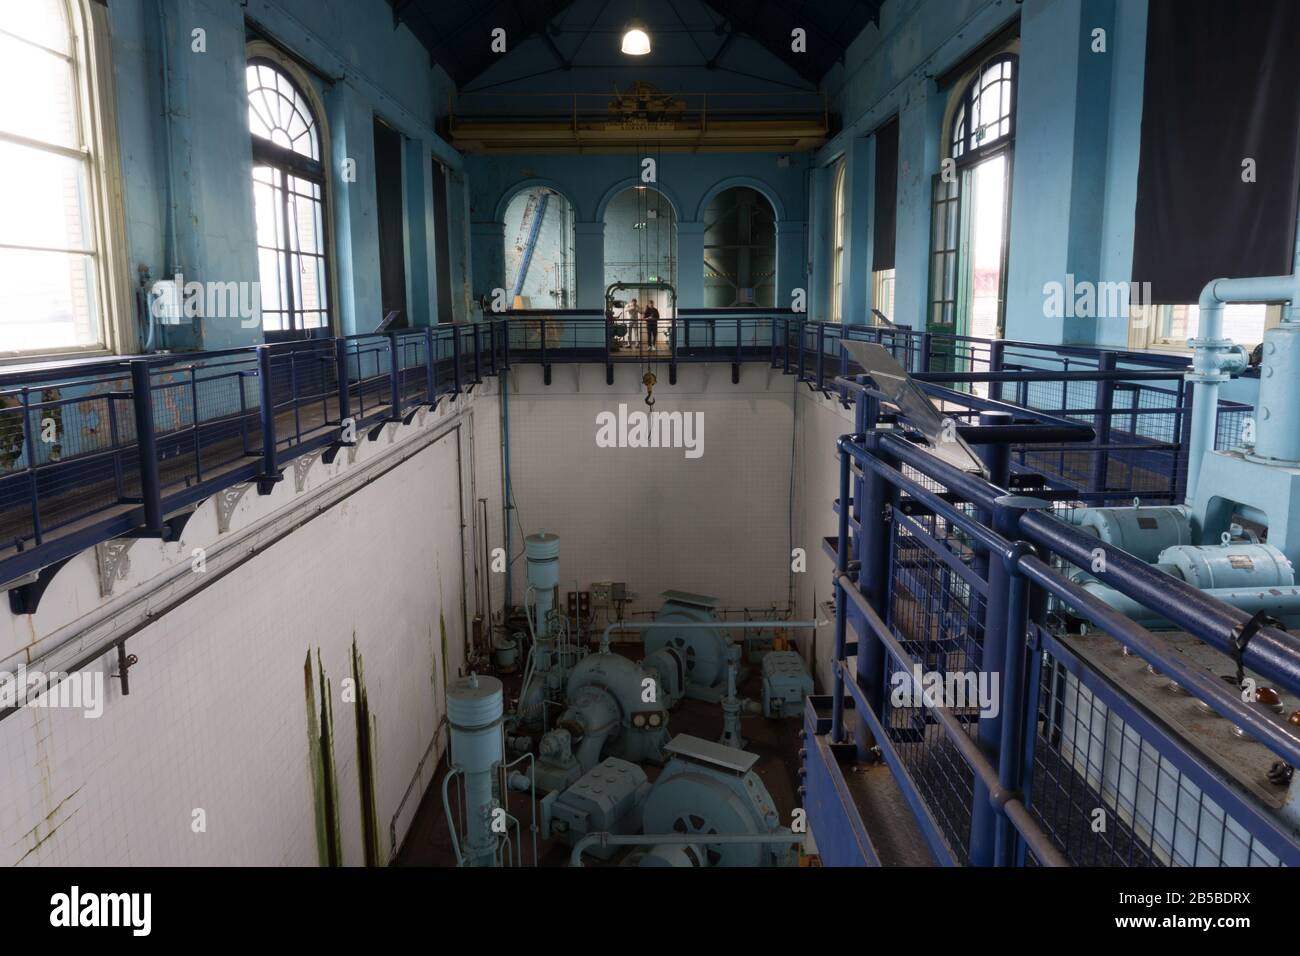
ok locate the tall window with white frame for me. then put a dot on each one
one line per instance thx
(289, 197)
(838, 212)
(970, 205)
(52, 278)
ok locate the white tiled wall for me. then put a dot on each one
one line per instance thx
(819, 422)
(650, 517)
(217, 715)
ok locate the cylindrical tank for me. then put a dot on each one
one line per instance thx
(474, 709)
(542, 551)
(1141, 531)
(1277, 431)
(1244, 565)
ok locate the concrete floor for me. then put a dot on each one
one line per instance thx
(776, 742)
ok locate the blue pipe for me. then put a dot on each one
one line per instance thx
(702, 626)
(509, 492)
(1216, 359)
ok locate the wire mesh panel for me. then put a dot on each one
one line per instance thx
(936, 609)
(1109, 796)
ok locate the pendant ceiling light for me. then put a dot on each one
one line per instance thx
(636, 42)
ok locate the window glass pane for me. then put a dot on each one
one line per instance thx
(278, 112)
(48, 300)
(50, 115)
(1243, 323)
(44, 198)
(42, 22)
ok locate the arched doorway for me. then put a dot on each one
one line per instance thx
(739, 250)
(539, 250)
(641, 238)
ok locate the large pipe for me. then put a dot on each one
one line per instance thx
(1216, 359)
(704, 626)
(1281, 602)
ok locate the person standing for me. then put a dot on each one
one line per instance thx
(652, 323)
(633, 314)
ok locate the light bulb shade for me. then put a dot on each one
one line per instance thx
(636, 42)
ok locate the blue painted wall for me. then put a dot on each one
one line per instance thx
(361, 66)
(1073, 194)
(1076, 151)
(688, 181)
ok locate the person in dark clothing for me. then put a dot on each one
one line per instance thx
(652, 323)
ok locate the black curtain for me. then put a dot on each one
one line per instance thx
(392, 237)
(885, 207)
(1222, 86)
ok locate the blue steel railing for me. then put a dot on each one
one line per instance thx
(91, 450)
(95, 450)
(943, 570)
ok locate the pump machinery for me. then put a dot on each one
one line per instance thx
(588, 743)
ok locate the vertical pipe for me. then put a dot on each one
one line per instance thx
(508, 501)
(147, 442)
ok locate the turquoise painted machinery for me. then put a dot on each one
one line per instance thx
(474, 711)
(705, 654)
(552, 654)
(705, 791)
(607, 798)
(786, 682)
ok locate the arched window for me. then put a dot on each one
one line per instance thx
(289, 190)
(739, 250)
(539, 250)
(985, 116)
(641, 242)
(969, 208)
(837, 245)
(56, 287)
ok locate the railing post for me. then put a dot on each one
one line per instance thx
(455, 357)
(505, 344)
(1105, 401)
(430, 366)
(785, 348)
(478, 354)
(342, 374)
(821, 355)
(873, 547)
(270, 464)
(609, 361)
(997, 361)
(927, 342)
(841, 565)
(394, 379)
(1004, 653)
(147, 443)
